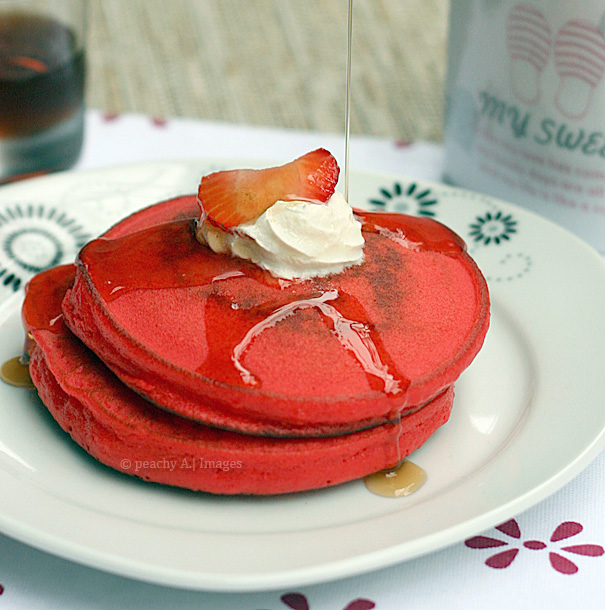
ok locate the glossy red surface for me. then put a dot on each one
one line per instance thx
(239, 348)
(122, 430)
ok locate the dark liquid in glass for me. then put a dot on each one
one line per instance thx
(41, 89)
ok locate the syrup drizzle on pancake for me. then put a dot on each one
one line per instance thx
(53, 291)
(353, 335)
(420, 234)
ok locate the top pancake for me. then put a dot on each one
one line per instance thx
(217, 339)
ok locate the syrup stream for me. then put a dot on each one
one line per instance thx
(348, 98)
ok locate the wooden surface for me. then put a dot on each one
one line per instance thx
(272, 62)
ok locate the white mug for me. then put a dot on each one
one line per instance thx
(525, 117)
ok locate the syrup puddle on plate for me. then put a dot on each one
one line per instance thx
(15, 372)
(402, 480)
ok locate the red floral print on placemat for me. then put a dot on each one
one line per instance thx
(159, 121)
(559, 562)
(108, 117)
(297, 601)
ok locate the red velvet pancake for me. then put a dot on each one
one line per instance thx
(218, 340)
(124, 431)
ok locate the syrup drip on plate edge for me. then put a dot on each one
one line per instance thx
(402, 480)
(16, 372)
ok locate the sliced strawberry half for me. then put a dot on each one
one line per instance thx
(232, 197)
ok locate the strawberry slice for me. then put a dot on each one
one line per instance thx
(232, 197)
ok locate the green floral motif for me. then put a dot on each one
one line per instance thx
(493, 228)
(406, 199)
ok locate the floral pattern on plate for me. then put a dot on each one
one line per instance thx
(410, 198)
(34, 237)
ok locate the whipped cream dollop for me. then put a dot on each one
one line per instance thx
(294, 239)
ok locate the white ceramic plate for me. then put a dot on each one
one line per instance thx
(528, 413)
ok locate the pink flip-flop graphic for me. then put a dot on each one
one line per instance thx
(529, 42)
(580, 64)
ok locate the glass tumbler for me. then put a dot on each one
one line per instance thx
(42, 75)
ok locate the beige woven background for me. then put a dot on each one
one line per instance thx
(272, 62)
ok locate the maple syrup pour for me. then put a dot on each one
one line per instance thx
(348, 96)
(403, 480)
(15, 372)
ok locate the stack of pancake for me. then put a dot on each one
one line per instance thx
(167, 361)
